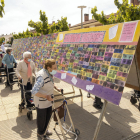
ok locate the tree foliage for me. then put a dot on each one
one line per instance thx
(1, 40)
(61, 25)
(2, 8)
(126, 12)
(41, 26)
(25, 34)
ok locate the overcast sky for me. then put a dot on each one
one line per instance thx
(19, 12)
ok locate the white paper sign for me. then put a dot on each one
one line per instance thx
(113, 31)
(89, 87)
(74, 80)
(63, 76)
(60, 37)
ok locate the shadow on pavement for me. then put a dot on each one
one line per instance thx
(6, 91)
(24, 127)
(127, 95)
(86, 123)
(120, 119)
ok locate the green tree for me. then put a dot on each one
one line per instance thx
(126, 12)
(2, 8)
(1, 40)
(8, 42)
(41, 26)
(53, 28)
(36, 34)
(61, 25)
(25, 34)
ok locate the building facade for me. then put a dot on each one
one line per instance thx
(7, 37)
(135, 2)
(92, 22)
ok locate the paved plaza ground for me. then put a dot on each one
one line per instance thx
(119, 121)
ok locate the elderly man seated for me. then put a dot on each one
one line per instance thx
(25, 71)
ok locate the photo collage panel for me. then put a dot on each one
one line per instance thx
(106, 65)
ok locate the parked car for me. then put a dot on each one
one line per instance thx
(7, 45)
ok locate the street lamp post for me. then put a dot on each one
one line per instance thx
(81, 14)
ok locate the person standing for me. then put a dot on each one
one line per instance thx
(43, 92)
(3, 48)
(25, 72)
(8, 61)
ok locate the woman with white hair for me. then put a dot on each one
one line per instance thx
(25, 71)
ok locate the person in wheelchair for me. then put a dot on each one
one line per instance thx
(8, 61)
(25, 72)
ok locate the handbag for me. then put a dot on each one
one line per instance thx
(60, 110)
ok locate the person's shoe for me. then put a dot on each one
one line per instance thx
(49, 133)
(43, 137)
(97, 106)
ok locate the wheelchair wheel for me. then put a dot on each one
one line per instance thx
(29, 115)
(133, 100)
(77, 131)
(20, 108)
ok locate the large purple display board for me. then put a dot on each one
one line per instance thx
(97, 60)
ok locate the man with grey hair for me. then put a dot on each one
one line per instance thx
(25, 71)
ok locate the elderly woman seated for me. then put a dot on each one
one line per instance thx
(25, 72)
(9, 60)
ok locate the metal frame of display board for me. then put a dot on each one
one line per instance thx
(81, 95)
(75, 96)
(100, 120)
(105, 105)
(67, 98)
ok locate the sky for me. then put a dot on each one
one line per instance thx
(19, 12)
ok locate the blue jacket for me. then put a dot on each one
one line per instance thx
(9, 60)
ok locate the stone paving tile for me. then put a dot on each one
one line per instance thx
(2, 110)
(7, 101)
(119, 121)
(1, 102)
(3, 117)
